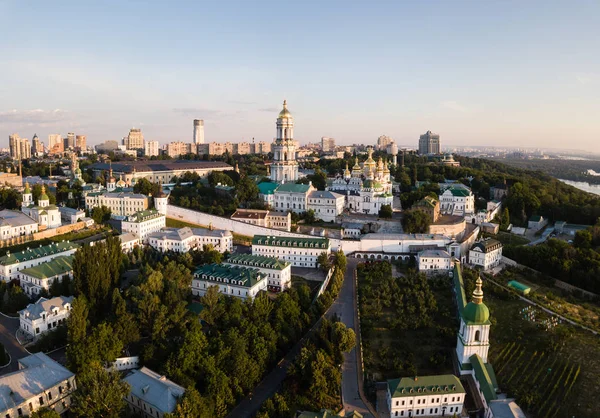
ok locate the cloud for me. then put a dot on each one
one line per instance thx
(34, 116)
(269, 109)
(454, 105)
(587, 78)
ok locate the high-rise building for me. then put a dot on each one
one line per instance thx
(429, 143)
(151, 149)
(20, 148)
(383, 141)
(284, 167)
(55, 144)
(327, 144)
(135, 139)
(69, 141)
(80, 142)
(198, 131)
(175, 149)
(37, 147)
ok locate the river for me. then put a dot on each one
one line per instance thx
(582, 185)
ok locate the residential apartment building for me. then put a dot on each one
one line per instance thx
(299, 252)
(35, 279)
(292, 197)
(277, 272)
(20, 148)
(383, 142)
(134, 140)
(80, 143)
(434, 261)
(39, 383)
(185, 239)
(457, 201)
(327, 144)
(429, 143)
(426, 396)
(486, 253)
(218, 148)
(69, 141)
(120, 203)
(143, 223)
(55, 144)
(15, 224)
(12, 264)
(232, 280)
(326, 205)
(178, 148)
(45, 314)
(151, 149)
(151, 395)
(37, 147)
(265, 218)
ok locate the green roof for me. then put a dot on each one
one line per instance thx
(57, 267)
(484, 373)
(144, 215)
(427, 201)
(274, 241)
(267, 187)
(476, 313)
(519, 286)
(39, 252)
(235, 275)
(460, 192)
(293, 188)
(459, 288)
(425, 385)
(258, 261)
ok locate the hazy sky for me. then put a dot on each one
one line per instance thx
(477, 72)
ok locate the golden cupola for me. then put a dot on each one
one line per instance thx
(285, 113)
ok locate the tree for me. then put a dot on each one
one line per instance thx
(344, 338)
(323, 261)
(246, 190)
(385, 211)
(77, 325)
(145, 186)
(212, 307)
(100, 214)
(416, 222)
(505, 220)
(583, 239)
(100, 393)
(45, 413)
(191, 405)
(309, 216)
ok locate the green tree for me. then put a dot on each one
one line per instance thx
(385, 211)
(246, 190)
(212, 306)
(415, 222)
(100, 214)
(323, 261)
(100, 393)
(583, 239)
(145, 186)
(505, 220)
(191, 405)
(45, 413)
(77, 327)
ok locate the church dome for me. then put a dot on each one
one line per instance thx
(285, 113)
(27, 189)
(44, 196)
(476, 312)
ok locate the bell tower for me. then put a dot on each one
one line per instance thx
(285, 166)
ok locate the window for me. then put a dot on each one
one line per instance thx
(19, 412)
(41, 400)
(476, 339)
(50, 395)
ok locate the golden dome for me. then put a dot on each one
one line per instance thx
(285, 113)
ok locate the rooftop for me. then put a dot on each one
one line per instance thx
(15, 218)
(119, 195)
(294, 188)
(487, 245)
(434, 253)
(236, 275)
(38, 374)
(56, 267)
(154, 389)
(151, 166)
(34, 253)
(267, 187)
(128, 237)
(250, 214)
(290, 241)
(320, 194)
(144, 215)
(484, 373)
(258, 261)
(181, 234)
(425, 385)
(35, 310)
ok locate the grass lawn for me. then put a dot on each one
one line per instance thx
(389, 353)
(552, 373)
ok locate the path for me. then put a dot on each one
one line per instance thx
(550, 311)
(345, 307)
(8, 328)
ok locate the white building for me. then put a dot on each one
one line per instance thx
(185, 239)
(292, 197)
(366, 188)
(327, 205)
(300, 252)
(232, 280)
(12, 264)
(285, 167)
(15, 224)
(457, 201)
(486, 253)
(44, 213)
(151, 395)
(35, 279)
(277, 272)
(426, 396)
(129, 241)
(120, 203)
(434, 261)
(353, 230)
(266, 218)
(70, 215)
(144, 223)
(45, 315)
(39, 383)
(151, 149)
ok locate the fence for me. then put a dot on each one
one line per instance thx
(325, 283)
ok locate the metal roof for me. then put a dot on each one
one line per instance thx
(425, 385)
(154, 389)
(258, 261)
(56, 267)
(39, 252)
(235, 275)
(151, 166)
(276, 241)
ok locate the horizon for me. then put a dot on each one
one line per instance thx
(496, 74)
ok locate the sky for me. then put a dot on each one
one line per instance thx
(504, 73)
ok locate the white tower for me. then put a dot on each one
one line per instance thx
(198, 131)
(27, 196)
(474, 335)
(161, 201)
(284, 167)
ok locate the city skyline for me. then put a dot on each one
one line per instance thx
(506, 74)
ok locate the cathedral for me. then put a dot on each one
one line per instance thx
(366, 188)
(285, 167)
(44, 213)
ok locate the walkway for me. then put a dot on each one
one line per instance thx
(8, 328)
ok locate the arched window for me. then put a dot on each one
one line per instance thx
(476, 335)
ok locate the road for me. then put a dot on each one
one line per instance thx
(544, 236)
(8, 328)
(344, 307)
